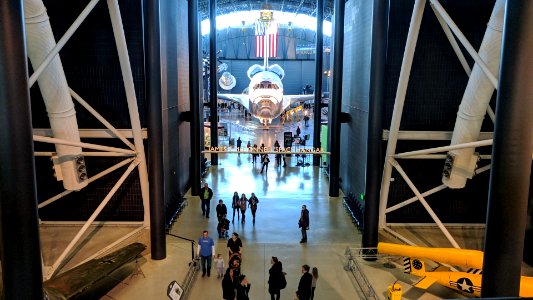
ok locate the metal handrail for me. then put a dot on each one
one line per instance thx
(183, 238)
(360, 277)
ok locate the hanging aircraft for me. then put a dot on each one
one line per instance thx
(264, 98)
(467, 283)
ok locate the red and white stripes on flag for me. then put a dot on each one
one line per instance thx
(262, 33)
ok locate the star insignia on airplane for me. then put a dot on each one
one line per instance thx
(465, 284)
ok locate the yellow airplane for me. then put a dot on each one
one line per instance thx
(468, 283)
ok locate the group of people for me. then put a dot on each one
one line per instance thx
(235, 285)
(240, 204)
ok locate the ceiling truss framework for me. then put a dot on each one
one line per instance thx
(305, 7)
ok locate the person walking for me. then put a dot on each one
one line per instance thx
(314, 272)
(228, 285)
(243, 203)
(298, 131)
(206, 194)
(219, 264)
(303, 223)
(252, 203)
(234, 245)
(265, 160)
(277, 148)
(243, 288)
(304, 286)
(236, 207)
(222, 211)
(306, 120)
(206, 252)
(254, 155)
(275, 278)
(239, 145)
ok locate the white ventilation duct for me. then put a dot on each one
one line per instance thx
(54, 89)
(461, 163)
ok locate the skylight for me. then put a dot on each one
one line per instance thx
(247, 19)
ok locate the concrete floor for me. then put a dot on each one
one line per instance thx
(281, 192)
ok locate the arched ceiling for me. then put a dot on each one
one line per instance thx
(307, 7)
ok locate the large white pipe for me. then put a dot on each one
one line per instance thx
(54, 89)
(475, 102)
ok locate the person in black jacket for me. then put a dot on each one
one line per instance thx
(205, 195)
(275, 274)
(222, 228)
(303, 223)
(222, 210)
(243, 288)
(229, 283)
(235, 205)
(304, 287)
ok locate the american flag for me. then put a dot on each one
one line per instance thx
(261, 33)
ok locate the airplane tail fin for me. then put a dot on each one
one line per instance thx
(415, 266)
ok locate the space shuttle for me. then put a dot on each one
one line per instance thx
(264, 99)
(467, 283)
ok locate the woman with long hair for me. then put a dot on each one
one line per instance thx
(314, 272)
(235, 206)
(243, 203)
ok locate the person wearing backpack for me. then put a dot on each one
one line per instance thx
(276, 279)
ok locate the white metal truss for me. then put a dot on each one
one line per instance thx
(133, 154)
(391, 160)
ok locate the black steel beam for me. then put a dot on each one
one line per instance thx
(19, 227)
(152, 48)
(374, 163)
(213, 83)
(319, 60)
(510, 175)
(335, 102)
(194, 86)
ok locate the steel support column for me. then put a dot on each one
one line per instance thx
(152, 47)
(19, 230)
(374, 163)
(213, 83)
(318, 79)
(194, 87)
(335, 102)
(511, 156)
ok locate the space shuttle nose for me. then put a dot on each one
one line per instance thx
(254, 70)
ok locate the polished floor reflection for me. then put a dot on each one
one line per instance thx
(281, 192)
